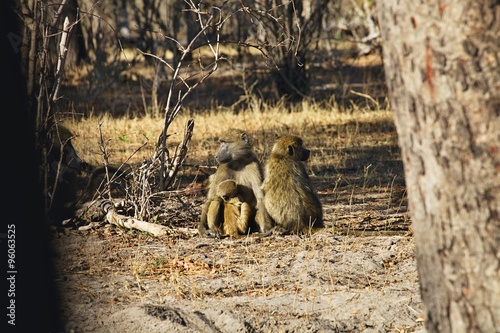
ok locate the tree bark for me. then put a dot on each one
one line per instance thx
(442, 70)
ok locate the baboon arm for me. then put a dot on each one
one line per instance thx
(263, 218)
(211, 217)
(203, 224)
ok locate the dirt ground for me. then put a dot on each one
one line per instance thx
(360, 278)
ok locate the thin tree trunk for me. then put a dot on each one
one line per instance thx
(442, 69)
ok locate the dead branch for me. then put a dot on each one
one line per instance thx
(180, 154)
(97, 210)
(172, 111)
(63, 50)
(128, 222)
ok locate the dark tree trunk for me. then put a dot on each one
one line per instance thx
(442, 70)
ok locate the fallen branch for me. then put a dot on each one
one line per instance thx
(98, 210)
(131, 223)
(95, 210)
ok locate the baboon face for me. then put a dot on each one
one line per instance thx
(293, 146)
(234, 145)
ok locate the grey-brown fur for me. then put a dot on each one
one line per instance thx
(237, 161)
(237, 212)
(289, 196)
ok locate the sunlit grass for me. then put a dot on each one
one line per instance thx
(326, 129)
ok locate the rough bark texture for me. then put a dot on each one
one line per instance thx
(442, 68)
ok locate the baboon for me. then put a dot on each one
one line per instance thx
(236, 206)
(60, 150)
(289, 196)
(66, 173)
(236, 161)
(62, 172)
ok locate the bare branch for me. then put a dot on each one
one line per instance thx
(180, 154)
(63, 50)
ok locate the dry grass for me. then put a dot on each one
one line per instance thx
(327, 130)
(355, 159)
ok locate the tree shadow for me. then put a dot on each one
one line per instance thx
(120, 90)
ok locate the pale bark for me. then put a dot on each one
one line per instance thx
(442, 70)
(105, 209)
(131, 223)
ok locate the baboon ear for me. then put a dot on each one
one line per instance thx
(290, 150)
(244, 137)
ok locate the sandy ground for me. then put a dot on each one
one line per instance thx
(117, 280)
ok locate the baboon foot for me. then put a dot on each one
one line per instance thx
(276, 231)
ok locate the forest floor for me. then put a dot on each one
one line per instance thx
(358, 274)
(112, 281)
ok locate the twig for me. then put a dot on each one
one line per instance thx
(63, 50)
(172, 112)
(366, 96)
(180, 154)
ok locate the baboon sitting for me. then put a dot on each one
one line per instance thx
(289, 196)
(236, 161)
(237, 211)
(63, 170)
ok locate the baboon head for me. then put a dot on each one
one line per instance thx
(234, 145)
(227, 189)
(61, 150)
(291, 146)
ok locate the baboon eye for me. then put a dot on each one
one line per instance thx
(225, 197)
(290, 150)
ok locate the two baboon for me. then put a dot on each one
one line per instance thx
(237, 211)
(238, 162)
(284, 200)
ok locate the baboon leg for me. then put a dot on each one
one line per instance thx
(231, 229)
(231, 217)
(215, 216)
(244, 220)
(203, 224)
(262, 218)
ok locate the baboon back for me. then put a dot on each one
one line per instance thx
(289, 195)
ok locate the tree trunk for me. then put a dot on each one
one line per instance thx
(442, 70)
